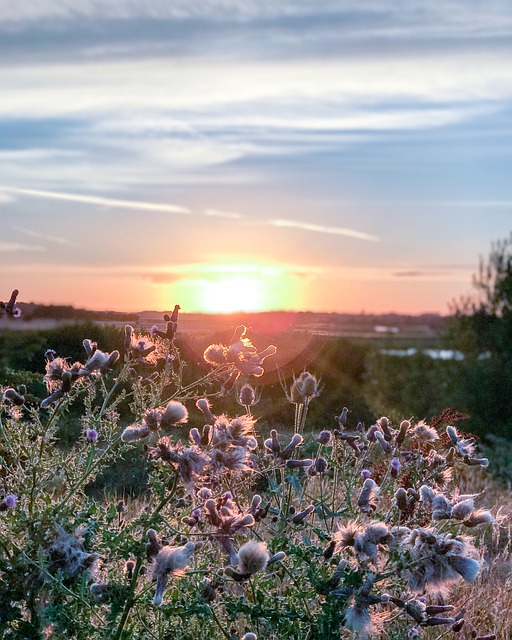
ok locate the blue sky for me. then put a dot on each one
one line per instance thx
(324, 155)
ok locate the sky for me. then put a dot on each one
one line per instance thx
(336, 155)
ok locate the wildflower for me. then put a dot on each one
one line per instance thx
(231, 459)
(241, 354)
(272, 443)
(249, 636)
(357, 618)
(364, 539)
(370, 434)
(135, 432)
(171, 561)
(253, 366)
(366, 545)
(91, 435)
(100, 361)
(465, 447)
(175, 413)
(424, 433)
(252, 558)
(189, 462)
(235, 432)
(15, 396)
(204, 493)
(287, 452)
(9, 502)
(59, 393)
(439, 559)
(215, 354)
(65, 553)
(395, 467)
(481, 516)
(347, 534)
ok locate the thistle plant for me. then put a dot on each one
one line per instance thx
(351, 531)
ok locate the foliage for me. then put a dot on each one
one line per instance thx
(481, 329)
(350, 531)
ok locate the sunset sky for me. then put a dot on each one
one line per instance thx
(327, 155)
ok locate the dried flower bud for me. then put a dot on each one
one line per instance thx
(321, 465)
(153, 546)
(324, 437)
(401, 499)
(395, 467)
(458, 625)
(247, 396)
(405, 425)
(135, 432)
(253, 557)
(175, 413)
(13, 396)
(481, 516)
(302, 515)
(342, 418)
(370, 488)
(129, 567)
(296, 464)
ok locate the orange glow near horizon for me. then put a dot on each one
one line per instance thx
(229, 288)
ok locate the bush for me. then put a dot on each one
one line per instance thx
(350, 531)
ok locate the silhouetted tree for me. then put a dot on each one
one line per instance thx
(482, 329)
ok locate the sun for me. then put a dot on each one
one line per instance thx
(230, 287)
(231, 293)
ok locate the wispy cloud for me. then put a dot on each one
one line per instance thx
(218, 213)
(97, 200)
(317, 228)
(31, 233)
(418, 273)
(6, 199)
(9, 247)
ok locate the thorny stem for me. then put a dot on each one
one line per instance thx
(180, 390)
(219, 624)
(130, 601)
(253, 591)
(9, 445)
(112, 390)
(86, 474)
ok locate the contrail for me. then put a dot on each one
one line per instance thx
(339, 231)
(98, 200)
